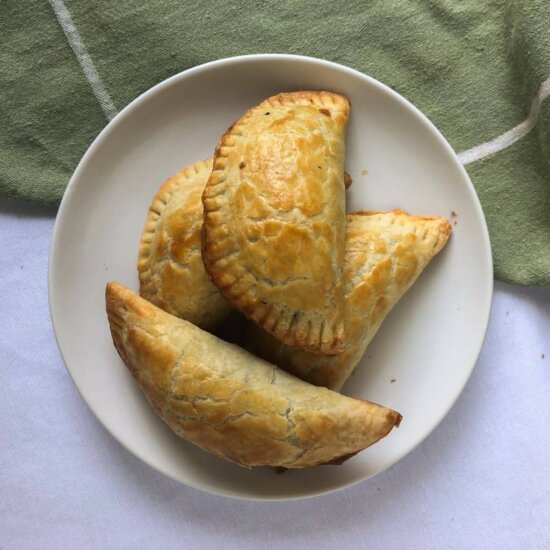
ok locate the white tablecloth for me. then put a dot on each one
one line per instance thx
(481, 480)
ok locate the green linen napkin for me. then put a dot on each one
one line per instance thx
(479, 69)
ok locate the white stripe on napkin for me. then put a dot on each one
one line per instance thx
(102, 95)
(79, 49)
(511, 136)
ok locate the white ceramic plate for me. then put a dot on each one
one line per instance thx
(429, 343)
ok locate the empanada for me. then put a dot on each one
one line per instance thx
(170, 268)
(229, 402)
(274, 218)
(385, 253)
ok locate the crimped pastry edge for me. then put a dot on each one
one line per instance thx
(158, 204)
(445, 227)
(267, 320)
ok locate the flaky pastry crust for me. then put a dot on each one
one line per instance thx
(170, 268)
(230, 403)
(274, 218)
(385, 254)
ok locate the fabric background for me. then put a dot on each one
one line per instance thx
(480, 481)
(474, 67)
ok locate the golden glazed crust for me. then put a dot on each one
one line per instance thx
(170, 268)
(385, 253)
(230, 403)
(274, 218)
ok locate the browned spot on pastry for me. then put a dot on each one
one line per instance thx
(242, 164)
(394, 417)
(325, 112)
(347, 180)
(340, 460)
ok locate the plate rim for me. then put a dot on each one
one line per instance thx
(122, 115)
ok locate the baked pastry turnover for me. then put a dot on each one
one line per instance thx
(385, 253)
(274, 218)
(170, 268)
(229, 402)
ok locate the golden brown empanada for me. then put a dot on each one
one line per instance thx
(170, 268)
(385, 253)
(274, 218)
(230, 403)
